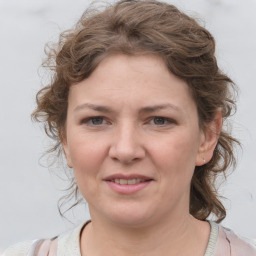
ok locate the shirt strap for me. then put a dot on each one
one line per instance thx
(44, 247)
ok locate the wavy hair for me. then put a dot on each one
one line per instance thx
(139, 27)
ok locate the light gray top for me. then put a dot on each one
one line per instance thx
(222, 242)
(212, 239)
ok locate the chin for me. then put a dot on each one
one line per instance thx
(128, 215)
(131, 221)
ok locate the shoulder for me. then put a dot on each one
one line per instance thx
(42, 247)
(230, 241)
(65, 244)
(69, 243)
(19, 249)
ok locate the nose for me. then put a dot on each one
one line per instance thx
(127, 145)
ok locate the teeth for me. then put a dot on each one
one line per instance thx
(123, 182)
(132, 181)
(128, 181)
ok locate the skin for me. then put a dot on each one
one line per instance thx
(154, 220)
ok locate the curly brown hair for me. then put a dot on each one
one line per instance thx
(139, 27)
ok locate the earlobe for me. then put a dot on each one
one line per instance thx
(67, 154)
(209, 139)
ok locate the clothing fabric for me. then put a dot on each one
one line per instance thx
(222, 242)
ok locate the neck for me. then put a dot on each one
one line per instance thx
(162, 238)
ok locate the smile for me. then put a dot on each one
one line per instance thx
(127, 184)
(128, 181)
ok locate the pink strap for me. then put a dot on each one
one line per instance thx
(239, 247)
(229, 244)
(44, 247)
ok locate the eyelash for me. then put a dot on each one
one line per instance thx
(170, 121)
(85, 121)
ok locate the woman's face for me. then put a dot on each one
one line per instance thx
(133, 140)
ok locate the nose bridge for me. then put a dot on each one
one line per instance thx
(127, 144)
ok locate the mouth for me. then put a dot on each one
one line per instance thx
(129, 181)
(127, 184)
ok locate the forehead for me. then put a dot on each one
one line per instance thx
(134, 80)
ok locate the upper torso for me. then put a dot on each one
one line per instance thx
(222, 242)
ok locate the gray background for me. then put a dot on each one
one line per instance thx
(28, 192)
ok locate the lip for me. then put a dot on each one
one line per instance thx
(127, 188)
(131, 176)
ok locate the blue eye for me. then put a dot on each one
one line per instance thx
(158, 120)
(96, 120)
(99, 120)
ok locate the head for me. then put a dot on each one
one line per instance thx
(187, 50)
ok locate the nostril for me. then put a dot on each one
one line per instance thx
(126, 155)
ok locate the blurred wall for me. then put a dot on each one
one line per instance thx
(28, 192)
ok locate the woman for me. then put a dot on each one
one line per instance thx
(137, 104)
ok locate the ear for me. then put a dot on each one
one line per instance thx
(67, 153)
(209, 139)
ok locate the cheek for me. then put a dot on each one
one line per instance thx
(176, 150)
(175, 159)
(85, 150)
(85, 158)
(86, 164)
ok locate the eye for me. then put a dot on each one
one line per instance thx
(162, 121)
(94, 121)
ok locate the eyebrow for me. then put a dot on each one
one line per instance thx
(144, 110)
(98, 108)
(154, 108)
